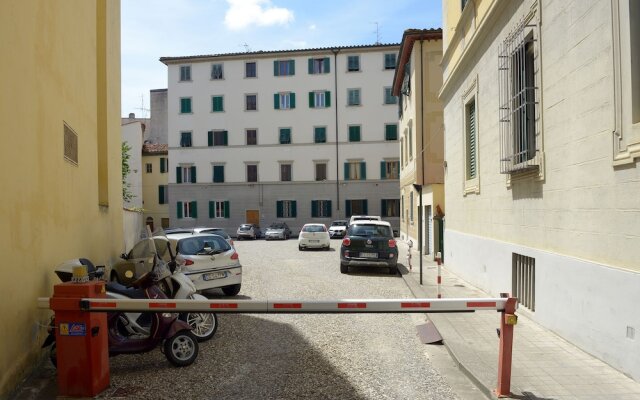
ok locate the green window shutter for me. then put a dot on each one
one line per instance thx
(327, 99)
(276, 101)
(391, 132)
(210, 138)
(472, 142)
(310, 66)
(294, 211)
(327, 210)
(312, 97)
(193, 174)
(383, 208)
(327, 65)
(346, 171)
(226, 209)
(365, 206)
(160, 194)
(218, 173)
(347, 208)
(194, 209)
(292, 67)
(383, 170)
(363, 171)
(178, 175)
(225, 138)
(292, 99)
(354, 133)
(314, 208)
(320, 135)
(276, 70)
(163, 165)
(279, 209)
(179, 210)
(212, 206)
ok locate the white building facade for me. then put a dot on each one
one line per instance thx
(542, 180)
(296, 136)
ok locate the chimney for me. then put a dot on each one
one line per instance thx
(132, 116)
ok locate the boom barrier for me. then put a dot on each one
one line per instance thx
(344, 306)
(78, 306)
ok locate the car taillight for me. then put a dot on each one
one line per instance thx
(392, 243)
(234, 256)
(346, 242)
(188, 262)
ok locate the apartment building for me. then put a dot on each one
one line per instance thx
(542, 180)
(155, 179)
(417, 82)
(296, 136)
(62, 181)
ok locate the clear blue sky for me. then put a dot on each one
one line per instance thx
(155, 28)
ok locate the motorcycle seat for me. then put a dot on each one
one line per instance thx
(131, 293)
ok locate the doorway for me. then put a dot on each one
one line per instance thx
(252, 217)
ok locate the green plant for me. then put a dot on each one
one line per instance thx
(126, 191)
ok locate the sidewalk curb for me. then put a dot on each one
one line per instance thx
(419, 292)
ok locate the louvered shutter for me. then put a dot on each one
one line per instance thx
(179, 210)
(193, 174)
(327, 208)
(212, 210)
(226, 209)
(194, 209)
(327, 65)
(292, 100)
(276, 101)
(276, 70)
(471, 157)
(310, 66)
(279, 209)
(312, 97)
(314, 208)
(225, 138)
(178, 174)
(363, 171)
(383, 170)
(210, 138)
(327, 99)
(294, 211)
(346, 171)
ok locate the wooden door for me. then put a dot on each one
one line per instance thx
(253, 217)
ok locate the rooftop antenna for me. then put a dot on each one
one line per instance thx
(377, 33)
(142, 107)
(246, 47)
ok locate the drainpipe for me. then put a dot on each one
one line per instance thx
(335, 90)
(420, 213)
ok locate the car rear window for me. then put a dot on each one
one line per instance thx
(313, 228)
(370, 230)
(245, 228)
(201, 245)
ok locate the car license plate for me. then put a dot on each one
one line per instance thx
(369, 255)
(213, 275)
(314, 241)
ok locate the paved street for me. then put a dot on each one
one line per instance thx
(366, 356)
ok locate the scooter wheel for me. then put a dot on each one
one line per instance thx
(181, 349)
(204, 325)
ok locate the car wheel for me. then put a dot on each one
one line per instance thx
(344, 268)
(393, 270)
(231, 290)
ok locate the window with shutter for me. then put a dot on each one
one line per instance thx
(471, 165)
(391, 132)
(185, 105)
(354, 133)
(320, 134)
(353, 63)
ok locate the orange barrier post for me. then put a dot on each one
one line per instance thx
(508, 319)
(81, 340)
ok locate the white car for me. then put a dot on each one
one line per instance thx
(338, 228)
(314, 236)
(355, 218)
(209, 261)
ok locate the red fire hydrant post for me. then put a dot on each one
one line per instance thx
(508, 320)
(81, 340)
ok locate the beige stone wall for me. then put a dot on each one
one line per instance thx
(584, 207)
(61, 64)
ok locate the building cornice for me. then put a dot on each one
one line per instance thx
(471, 44)
(406, 47)
(274, 53)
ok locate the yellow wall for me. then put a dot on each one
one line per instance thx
(150, 183)
(61, 63)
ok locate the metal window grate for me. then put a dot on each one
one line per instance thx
(518, 104)
(70, 145)
(523, 280)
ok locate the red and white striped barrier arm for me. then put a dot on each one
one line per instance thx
(344, 306)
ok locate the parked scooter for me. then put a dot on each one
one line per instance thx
(175, 286)
(179, 344)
